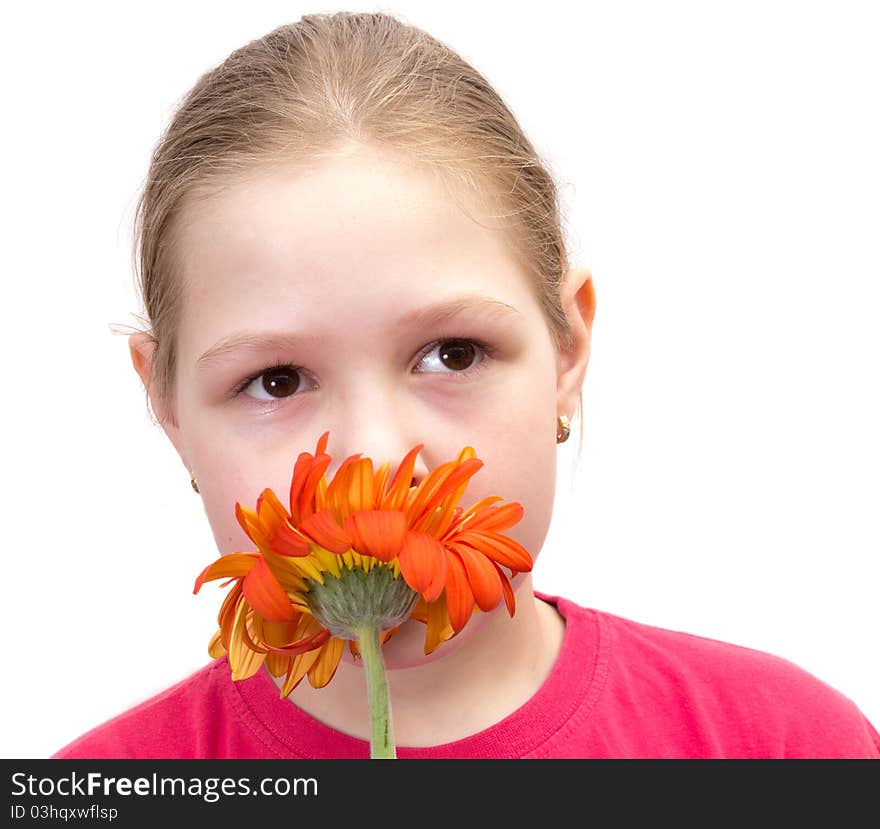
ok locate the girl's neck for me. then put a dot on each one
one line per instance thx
(468, 684)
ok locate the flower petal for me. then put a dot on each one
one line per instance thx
(241, 658)
(299, 666)
(456, 478)
(482, 577)
(498, 547)
(287, 541)
(290, 571)
(277, 664)
(251, 524)
(442, 519)
(247, 636)
(215, 646)
(437, 623)
(307, 496)
(385, 635)
(423, 493)
(323, 529)
(322, 671)
(279, 634)
(360, 488)
(327, 561)
(422, 558)
(230, 566)
(380, 481)
(266, 595)
(311, 642)
(509, 599)
(301, 470)
(438, 583)
(395, 497)
(496, 518)
(307, 472)
(471, 512)
(249, 663)
(378, 533)
(270, 510)
(226, 616)
(336, 499)
(420, 612)
(304, 635)
(459, 597)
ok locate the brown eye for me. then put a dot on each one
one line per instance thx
(274, 384)
(457, 355)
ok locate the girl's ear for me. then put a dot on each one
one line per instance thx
(142, 347)
(585, 296)
(579, 304)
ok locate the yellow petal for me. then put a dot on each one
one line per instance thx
(288, 571)
(248, 665)
(327, 663)
(215, 646)
(298, 668)
(438, 628)
(310, 567)
(277, 664)
(237, 648)
(327, 561)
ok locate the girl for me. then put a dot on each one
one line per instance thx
(345, 230)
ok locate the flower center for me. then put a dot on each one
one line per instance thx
(376, 599)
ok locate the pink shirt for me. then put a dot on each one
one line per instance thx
(618, 689)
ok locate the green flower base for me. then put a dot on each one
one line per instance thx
(359, 599)
(359, 605)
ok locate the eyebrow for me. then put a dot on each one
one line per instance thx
(486, 307)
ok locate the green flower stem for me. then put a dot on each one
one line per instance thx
(381, 735)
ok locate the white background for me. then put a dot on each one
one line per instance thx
(719, 166)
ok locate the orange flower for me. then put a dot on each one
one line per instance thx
(438, 563)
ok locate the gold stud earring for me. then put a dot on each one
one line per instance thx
(192, 482)
(563, 429)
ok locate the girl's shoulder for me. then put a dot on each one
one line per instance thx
(164, 725)
(640, 649)
(730, 699)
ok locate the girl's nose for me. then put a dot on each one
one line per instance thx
(393, 453)
(376, 427)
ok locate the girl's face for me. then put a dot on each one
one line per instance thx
(356, 296)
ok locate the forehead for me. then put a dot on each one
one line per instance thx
(349, 238)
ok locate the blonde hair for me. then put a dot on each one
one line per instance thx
(320, 82)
